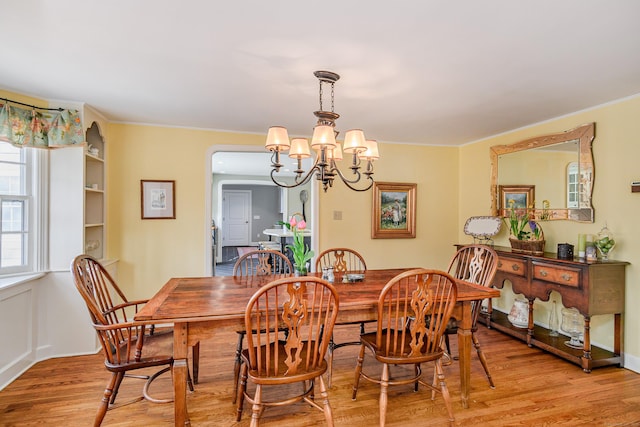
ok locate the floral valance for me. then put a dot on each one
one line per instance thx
(41, 128)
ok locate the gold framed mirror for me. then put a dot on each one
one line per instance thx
(560, 168)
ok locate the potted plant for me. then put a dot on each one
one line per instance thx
(525, 241)
(301, 252)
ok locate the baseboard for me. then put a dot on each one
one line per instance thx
(14, 370)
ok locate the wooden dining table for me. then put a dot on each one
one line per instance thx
(200, 307)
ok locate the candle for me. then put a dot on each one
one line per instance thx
(582, 244)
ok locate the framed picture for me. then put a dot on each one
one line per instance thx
(394, 210)
(158, 199)
(522, 197)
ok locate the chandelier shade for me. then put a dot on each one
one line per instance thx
(323, 136)
(354, 141)
(328, 150)
(335, 153)
(277, 139)
(371, 150)
(299, 149)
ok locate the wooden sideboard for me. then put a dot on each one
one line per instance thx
(594, 288)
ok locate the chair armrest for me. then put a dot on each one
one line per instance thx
(126, 336)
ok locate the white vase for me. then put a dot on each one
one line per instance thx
(519, 314)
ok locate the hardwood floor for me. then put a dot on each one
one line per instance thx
(532, 389)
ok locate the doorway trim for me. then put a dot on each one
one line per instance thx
(208, 253)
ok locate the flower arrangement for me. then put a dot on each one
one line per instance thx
(518, 220)
(522, 240)
(301, 252)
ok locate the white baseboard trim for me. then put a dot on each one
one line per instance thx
(14, 370)
(11, 372)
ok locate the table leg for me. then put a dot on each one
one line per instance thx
(464, 350)
(180, 374)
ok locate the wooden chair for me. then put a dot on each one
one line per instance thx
(126, 344)
(264, 262)
(306, 307)
(428, 296)
(475, 264)
(343, 260)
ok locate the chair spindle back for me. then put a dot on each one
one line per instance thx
(299, 310)
(342, 260)
(413, 311)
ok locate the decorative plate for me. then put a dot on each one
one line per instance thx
(482, 226)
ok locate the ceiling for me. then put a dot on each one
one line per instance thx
(414, 71)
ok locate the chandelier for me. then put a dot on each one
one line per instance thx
(328, 150)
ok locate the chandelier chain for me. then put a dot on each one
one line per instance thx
(332, 85)
(321, 95)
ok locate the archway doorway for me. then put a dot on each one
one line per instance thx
(248, 168)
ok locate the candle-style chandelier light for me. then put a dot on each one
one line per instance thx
(328, 150)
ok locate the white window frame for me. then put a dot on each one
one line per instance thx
(35, 197)
(573, 185)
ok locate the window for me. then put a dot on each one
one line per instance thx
(572, 185)
(19, 208)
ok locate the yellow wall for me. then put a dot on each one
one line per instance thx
(434, 170)
(152, 251)
(23, 98)
(616, 151)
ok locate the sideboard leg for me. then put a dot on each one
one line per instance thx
(586, 349)
(531, 325)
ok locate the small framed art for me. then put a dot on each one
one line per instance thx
(158, 199)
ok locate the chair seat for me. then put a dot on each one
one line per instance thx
(157, 350)
(402, 355)
(303, 373)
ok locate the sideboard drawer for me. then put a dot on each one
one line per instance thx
(552, 273)
(512, 266)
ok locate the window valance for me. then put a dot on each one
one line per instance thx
(39, 127)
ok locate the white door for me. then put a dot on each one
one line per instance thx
(235, 217)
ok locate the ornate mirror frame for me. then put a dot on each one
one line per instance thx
(585, 135)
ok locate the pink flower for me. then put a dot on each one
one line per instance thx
(302, 225)
(292, 222)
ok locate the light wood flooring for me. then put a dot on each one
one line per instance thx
(532, 389)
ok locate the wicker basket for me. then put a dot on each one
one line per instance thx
(528, 247)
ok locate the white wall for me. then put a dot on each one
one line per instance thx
(42, 318)
(39, 319)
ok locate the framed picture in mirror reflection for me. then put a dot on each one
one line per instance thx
(516, 197)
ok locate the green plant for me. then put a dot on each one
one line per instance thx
(517, 221)
(301, 252)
